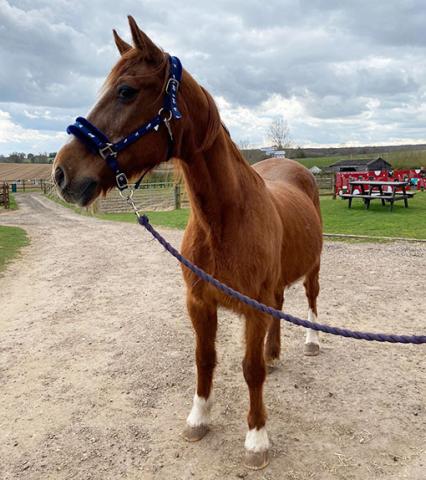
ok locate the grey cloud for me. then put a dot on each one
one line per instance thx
(334, 57)
(43, 118)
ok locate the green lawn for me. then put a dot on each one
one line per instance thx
(12, 239)
(378, 221)
(171, 218)
(12, 202)
(338, 218)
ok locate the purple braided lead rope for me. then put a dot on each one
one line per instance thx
(377, 337)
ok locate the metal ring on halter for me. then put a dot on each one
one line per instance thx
(126, 194)
(164, 118)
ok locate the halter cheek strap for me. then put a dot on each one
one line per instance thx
(99, 143)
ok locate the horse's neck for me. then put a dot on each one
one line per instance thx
(219, 183)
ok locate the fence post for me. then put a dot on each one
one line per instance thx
(333, 184)
(177, 196)
(23, 185)
(6, 199)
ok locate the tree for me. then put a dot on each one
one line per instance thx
(299, 153)
(17, 157)
(279, 133)
(244, 144)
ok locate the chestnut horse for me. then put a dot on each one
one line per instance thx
(257, 229)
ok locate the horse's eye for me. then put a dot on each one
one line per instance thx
(126, 93)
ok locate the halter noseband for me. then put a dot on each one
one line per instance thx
(99, 143)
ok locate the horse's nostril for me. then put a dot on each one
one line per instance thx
(60, 177)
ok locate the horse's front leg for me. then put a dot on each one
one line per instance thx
(204, 320)
(257, 442)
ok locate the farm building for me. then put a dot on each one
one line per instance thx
(268, 150)
(278, 153)
(364, 165)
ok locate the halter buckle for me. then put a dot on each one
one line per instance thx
(176, 83)
(107, 151)
(121, 181)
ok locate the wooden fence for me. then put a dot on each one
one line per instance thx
(326, 183)
(4, 195)
(27, 185)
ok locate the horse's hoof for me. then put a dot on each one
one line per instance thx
(272, 364)
(256, 460)
(194, 434)
(311, 349)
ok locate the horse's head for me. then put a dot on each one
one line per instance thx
(133, 94)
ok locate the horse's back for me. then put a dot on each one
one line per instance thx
(291, 173)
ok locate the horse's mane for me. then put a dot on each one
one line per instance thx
(214, 122)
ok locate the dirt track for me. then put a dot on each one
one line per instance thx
(96, 364)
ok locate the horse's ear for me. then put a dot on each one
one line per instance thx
(122, 46)
(143, 43)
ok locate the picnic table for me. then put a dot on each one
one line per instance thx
(384, 191)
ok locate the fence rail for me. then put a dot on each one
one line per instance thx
(26, 185)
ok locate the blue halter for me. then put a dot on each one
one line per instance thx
(99, 143)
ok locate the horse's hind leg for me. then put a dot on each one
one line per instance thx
(204, 320)
(273, 337)
(311, 285)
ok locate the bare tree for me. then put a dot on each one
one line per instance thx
(244, 144)
(279, 133)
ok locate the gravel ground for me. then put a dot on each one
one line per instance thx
(97, 375)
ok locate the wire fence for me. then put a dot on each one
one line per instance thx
(149, 197)
(161, 196)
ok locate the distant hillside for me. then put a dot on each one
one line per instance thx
(400, 156)
(347, 151)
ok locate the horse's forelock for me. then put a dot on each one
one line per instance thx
(129, 59)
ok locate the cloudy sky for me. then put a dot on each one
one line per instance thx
(341, 72)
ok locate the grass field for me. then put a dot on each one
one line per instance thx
(338, 218)
(172, 218)
(12, 239)
(12, 202)
(378, 221)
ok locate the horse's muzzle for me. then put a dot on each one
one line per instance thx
(81, 192)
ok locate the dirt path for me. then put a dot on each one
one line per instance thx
(96, 364)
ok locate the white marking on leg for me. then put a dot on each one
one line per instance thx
(312, 336)
(257, 440)
(200, 412)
